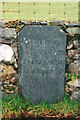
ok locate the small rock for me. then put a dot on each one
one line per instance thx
(11, 85)
(9, 91)
(16, 89)
(14, 47)
(6, 82)
(16, 65)
(70, 46)
(71, 53)
(72, 24)
(68, 60)
(7, 33)
(73, 87)
(7, 74)
(1, 67)
(73, 30)
(2, 88)
(75, 95)
(5, 86)
(3, 21)
(74, 68)
(24, 22)
(12, 80)
(7, 41)
(70, 89)
(6, 52)
(76, 52)
(9, 71)
(77, 56)
(76, 43)
(77, 62)
(12, 60)
(74, 83)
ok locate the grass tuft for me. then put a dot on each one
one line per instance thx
(16, 106)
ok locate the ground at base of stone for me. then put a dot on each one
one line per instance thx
(44, 118)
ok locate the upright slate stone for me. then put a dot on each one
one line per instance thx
(42, 52)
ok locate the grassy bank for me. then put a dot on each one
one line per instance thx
(14, 106)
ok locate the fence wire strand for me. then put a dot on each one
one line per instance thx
(40, 10)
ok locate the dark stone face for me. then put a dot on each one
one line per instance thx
(42, 52)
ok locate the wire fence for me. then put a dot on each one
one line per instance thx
(79, 12)
(69, 11)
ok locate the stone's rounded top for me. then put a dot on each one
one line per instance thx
(6, 52)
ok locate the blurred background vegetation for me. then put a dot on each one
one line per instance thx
(40, 10)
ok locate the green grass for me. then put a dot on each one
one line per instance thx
(71, 77)
(17, 105)
(41, 10)
(0, 108)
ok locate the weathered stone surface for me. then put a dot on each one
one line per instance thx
(7, 41)
(76, 43)
(7, 33)
(73, 30)
(77, 56)
(2, 22)
(12, 80)
(8, 78)
(76, 95)
(74, 67)
(74, 83)
(68, 60)
(70, 45)
(71, 53)
(41, 63)
(8, 75)
(74, 88)
(8, 71)
(14, 47)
